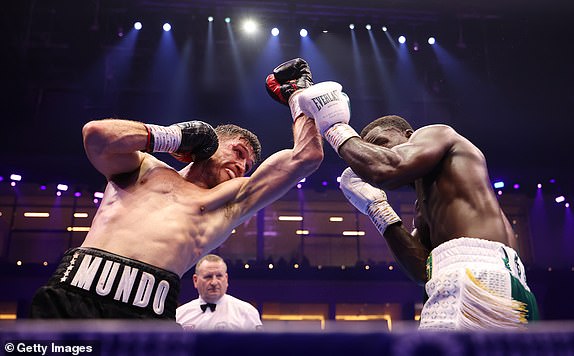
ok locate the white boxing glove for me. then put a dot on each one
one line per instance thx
(368, 200)
(329, 106)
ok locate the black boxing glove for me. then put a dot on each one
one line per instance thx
(189, 141)
(286, 79)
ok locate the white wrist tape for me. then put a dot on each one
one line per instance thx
(382, 215)
(338, 134)
(163, 138)
(294, 105)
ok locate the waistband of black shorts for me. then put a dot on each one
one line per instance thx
(128, 282)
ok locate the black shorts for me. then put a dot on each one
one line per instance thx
(92, 283)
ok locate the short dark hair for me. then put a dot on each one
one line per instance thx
(387, 121)
(230, 130)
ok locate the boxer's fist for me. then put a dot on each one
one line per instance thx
(358, 192)
(287, 78)
(189, 141)
(369, 200)
(326, 103)
(198, 141)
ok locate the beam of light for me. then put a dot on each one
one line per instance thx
(359, 74)
(407, 84)
(382, 72)
(209, 74)
(239, 69)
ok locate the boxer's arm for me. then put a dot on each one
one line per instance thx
(402, 164)
(408, 251)
(281, 171)
(113, 146)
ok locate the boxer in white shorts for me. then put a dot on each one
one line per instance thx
(454, 199)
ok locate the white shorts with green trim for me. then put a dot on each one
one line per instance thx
(471, 284)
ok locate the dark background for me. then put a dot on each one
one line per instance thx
(508, 86)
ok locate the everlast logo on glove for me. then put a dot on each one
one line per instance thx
(325, 99)
(122, 281)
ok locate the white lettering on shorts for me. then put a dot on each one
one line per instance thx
(124, 283)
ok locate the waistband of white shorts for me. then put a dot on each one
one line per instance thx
(465, 250)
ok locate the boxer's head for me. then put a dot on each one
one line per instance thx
(238, 152)
(387, 131)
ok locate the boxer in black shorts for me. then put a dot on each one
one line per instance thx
(93, 283)
(161, 221)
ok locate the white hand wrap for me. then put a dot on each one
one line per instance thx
(338, 134)
(382, 215)
(163, 138)
(329, 106)
(368, 200)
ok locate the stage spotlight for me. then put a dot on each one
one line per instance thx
(352, 27)
(402, 39)
(210, 19)
(62, 187)
(368, 27)
(560, 199)
(250, 26)
(166, 27)
(384, 28)
(303, 33)
(431, 40)
(275, 31)
(15, 177)
(227, 20)
(138, 25)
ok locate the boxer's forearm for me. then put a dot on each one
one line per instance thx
(308, 144)
(409, 253)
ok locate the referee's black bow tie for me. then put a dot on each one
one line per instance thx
(208, 305)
